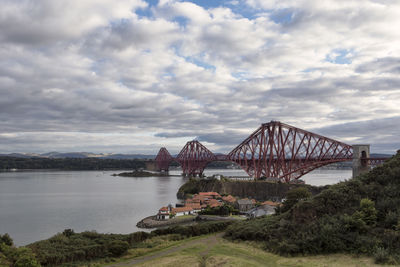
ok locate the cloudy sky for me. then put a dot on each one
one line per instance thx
(129, 76)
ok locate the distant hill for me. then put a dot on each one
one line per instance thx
(377, 155)
(129, 156)
(59, 155)
(22, 155)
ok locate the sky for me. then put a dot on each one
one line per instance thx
(131, 76)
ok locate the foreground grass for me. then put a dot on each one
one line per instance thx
(212, 250)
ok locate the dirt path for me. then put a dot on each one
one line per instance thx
(209, 241)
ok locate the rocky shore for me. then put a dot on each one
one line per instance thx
(151, 222)
(141, 174)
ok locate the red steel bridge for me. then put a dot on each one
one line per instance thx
(274, 150)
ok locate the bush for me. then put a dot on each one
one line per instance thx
(294, 196)
(25, 258)
(381, 256)
(72, 247)
(193, 230)
(6, 239)
(137, 237)
(358, 216)
(118, 248)
(224, 210)
(68, 232)
(17, 257)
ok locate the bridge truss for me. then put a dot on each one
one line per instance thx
(275, 150)
(286, 152)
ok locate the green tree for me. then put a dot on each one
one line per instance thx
(6, 239)
(367, 212)
(25, 258)
(293, 196)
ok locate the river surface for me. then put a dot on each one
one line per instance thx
(35, 205)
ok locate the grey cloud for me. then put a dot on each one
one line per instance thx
(381, 65)
(382, 134)
(152, 77)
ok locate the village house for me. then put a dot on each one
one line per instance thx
(195, 206)
(182, 211)
(229, 199)
(260, 211)
(163, 213)
(244, 205)
(214, 195)
(213, 203)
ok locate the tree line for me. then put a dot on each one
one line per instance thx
(7, 163)
(359, 216)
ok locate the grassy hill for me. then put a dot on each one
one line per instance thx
(360, 216)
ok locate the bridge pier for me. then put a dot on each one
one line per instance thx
(360, 162)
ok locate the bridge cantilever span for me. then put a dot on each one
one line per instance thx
(279, 150)
(163, 159)
(274, 150)
(194, 157)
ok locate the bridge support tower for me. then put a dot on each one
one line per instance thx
(360, 162)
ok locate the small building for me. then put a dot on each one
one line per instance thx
(244, 205)
(229, 199)
(182, 211)
(214, 203)
(163, 214)
(195, 206)
(260, 211)
(214, 195)
(200, 198)
(190, 201)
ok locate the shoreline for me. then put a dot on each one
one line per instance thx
(150, 222)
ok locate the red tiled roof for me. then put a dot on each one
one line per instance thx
(164, 209)
(229, 198)
(181, 209)
(191, 201)
(215, 194)
(195, 206)
(214, 203)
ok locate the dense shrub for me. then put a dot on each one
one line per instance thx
(224, 210)
(74, 247)
(118, 248)
(6, 239)
(194, 230)
(71, 247)
(137, 237)
(356, 216)
(70, 163)
(293, 196)
(15, 257)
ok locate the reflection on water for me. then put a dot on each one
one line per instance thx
(35, 205)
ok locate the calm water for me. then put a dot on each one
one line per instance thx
(35, 205)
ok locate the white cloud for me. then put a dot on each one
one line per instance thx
(97, 69)
(29, 21)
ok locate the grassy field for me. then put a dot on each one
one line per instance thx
(212, 250)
